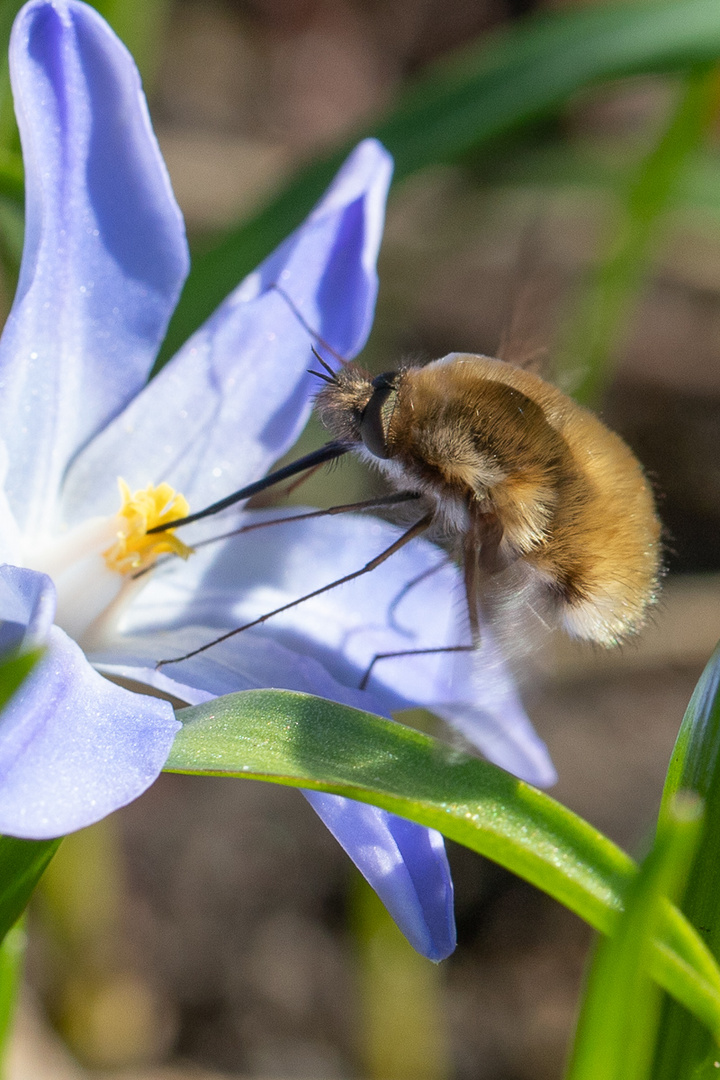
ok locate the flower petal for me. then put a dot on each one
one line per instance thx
(238, 393)
(250, 662)
(27, 608)
(405, 863)
(346, 627)
(73, 746)
(105, 253)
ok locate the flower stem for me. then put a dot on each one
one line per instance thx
(402, 1033)
(12, 953)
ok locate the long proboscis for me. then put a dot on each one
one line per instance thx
(328, 452)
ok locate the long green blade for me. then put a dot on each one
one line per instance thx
(295, 739)
(619, 1015)
(598, 321)
(14, 669)
(12, 952)
(22, 863)
(461, 105)
(685, 1049)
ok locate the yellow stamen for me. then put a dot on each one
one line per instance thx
(134, 550)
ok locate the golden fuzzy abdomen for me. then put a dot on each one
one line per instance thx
(608, 538)
(570, 496)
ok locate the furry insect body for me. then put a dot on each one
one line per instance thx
(545, 505)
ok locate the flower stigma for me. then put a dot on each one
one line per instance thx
(147, 508)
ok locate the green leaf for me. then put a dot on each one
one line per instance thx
(295, 739)
(12, 952)
(558, 164)
(14, 669)
(141, 25)
(599, 318)
(619, 1015)
(685, 1049)
(12, 196)
(22, 863)
(401, 1031)
(460, 105)
(9, 139)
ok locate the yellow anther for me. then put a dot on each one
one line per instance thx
(134, 550)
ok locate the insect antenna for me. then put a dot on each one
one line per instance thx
(328, 452)
(410, 534)
(330, 376)
(325, 378)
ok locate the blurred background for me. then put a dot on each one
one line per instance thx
(557, 200)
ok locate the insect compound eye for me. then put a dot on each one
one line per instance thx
(375, 420)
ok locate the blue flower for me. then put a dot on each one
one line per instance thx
(104, 261)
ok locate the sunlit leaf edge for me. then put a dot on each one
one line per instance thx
(302, 741)
(620, 1009)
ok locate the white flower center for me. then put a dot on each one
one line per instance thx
(95, 566)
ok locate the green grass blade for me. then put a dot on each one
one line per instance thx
(461, 105)
(12, 952)
(9, 138)
(141, 25)
(402, 1027)
(555, 164)
(307, 742)
(620, 1011)
(685, 1049)
(22, 863)
(14, 669)
(599, 319)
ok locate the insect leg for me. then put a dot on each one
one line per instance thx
(481, 556)
(330, 511)
(471, 575)
(410, 652)
(408, 587)
(410, 534)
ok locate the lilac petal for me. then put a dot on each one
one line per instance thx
(503, 733)
(252, 661)
(405, 863)
(105, 253)
(346, 627)
(73, 746)
(27, 608)
(238, 393)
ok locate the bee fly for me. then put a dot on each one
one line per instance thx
(544, 506)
